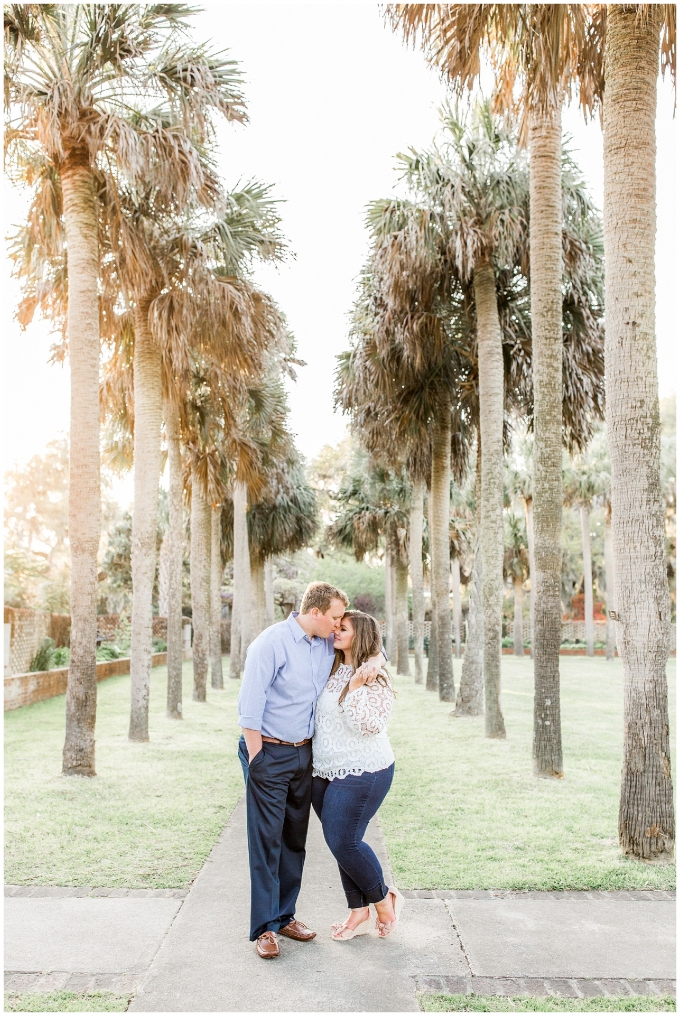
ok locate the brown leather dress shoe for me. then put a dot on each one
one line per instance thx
(298, 931)
(267, 945)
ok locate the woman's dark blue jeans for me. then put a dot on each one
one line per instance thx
(345, 808)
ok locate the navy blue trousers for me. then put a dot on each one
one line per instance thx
(278, 801)
(345, 808)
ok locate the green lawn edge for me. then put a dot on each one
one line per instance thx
(65, 1001)
(534, 1003)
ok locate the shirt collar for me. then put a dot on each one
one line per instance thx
(298, 631)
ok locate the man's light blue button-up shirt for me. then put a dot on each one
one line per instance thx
(284, 674)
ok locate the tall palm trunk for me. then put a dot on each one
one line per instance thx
(390, 633)
(439, 535)
(84, 511)
(432, 681)
(175, 535)
(529, 510)
(490, 360)
(148, 414)
(200, 585)
(546, 316)
(163, 574)
(269, 591)
(646, 818)
(216, 571)
(609, 579)
(416, 568)
(470, 700)
(401, 569)
(241, 629)
(455, 583)
(518, 621)
(584, 512)
(259, 604)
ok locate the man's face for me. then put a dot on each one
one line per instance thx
(328, 623)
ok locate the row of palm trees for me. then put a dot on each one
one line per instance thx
(136, 248)
(474, 213)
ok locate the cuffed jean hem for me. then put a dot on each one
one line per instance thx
(356, 899)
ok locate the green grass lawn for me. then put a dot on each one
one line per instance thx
(528, 1003)
(65, 1001)
(153, 812)
(465, 812)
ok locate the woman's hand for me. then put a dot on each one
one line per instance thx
(361, 676)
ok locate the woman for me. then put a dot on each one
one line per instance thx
(353, 769)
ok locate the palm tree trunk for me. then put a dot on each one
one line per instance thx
(439, 521)
(163, 574)
(529, 509)
(455, 582)
(490, 360)
(432, 681)
(148, 414)
(470, 700)
(241, 620)
(609, 579)
(84, 511)
(545, 142)
(517, 624)
(584, 512)
(257, 579)
(269, 591)
(416, 567)
(401, 570)
(646, 818)
(200, 585)
(390, 634)
(216, 571)
(175, 535)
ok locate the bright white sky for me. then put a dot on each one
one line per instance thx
(333, 95)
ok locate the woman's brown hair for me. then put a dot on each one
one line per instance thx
(366, 642)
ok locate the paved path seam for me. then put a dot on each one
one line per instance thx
(569, 987)
(636, 895)
(61, 892)
(123, 983)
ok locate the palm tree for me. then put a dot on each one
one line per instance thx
(175, 537)
(516, 568)
(376, 506)
(216, 573)
(520, 485)
(546, 46)
(416, 571)
(166, 261)
(633, 32)
(479, 183)
(583, 483)
(82, 84)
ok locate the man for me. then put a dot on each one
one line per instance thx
(286, 669)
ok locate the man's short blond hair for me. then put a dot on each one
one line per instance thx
(319, 595)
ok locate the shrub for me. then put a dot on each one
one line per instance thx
(159, 645)
(43, 657)
(108, 651)
(61, 657)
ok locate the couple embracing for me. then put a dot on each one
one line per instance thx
(313, 707)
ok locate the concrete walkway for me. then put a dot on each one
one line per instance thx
(193, 954)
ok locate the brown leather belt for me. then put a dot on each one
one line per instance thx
(289, 744)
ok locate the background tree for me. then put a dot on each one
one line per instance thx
(82, 84)
(516, 568)
(632, 54)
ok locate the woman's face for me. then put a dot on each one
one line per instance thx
(343, 638)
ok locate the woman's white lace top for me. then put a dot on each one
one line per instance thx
(350, 737)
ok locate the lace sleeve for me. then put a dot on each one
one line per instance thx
(367, 709)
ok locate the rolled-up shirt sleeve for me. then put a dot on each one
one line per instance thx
(258, 673)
